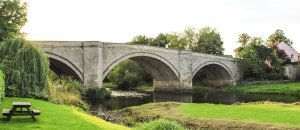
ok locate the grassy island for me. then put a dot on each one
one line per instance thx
(258, 115)
(292, 88)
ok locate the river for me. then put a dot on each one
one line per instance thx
(123, 99)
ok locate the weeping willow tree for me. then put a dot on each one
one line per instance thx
(25, 67)
(2, 88)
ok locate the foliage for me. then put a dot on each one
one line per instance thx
(277, 37)
(141, 39)
(55, 117)
(128, 74)
(25, 67)
(206, 40)
(13, 15)
(259, 61)
(160, 124)
(2, 86)
(65, 90)
(243, 39)
(176, 41)
(161, 40)
(278, 88)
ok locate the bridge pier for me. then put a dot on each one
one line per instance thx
(92, 64)
(184, 82)
(170, 86)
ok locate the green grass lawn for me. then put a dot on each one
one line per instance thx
(259, 115)
(273, 113)
(292, 88)
(54, 116)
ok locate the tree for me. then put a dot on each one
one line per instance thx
(2, 86)
(206, 40)
(141, 39)
(176, 41)
(13, 15)
(258, 60)
(128, 74)
(247, 41)
(209, 42)
(243, 39)
(191, 37)
(160, 40)
(25, 67)
(250, 57)
(277, 37)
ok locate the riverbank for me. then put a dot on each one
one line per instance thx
(117, 93)
(259, 115)
(142, 88)
(54, 116)
(291, 88)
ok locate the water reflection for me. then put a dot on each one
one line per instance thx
(115, 103)
(172, 97)
(217, 97)
(230, 98)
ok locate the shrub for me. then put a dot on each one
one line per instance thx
(160, 124)
(273, 76)
(25, 67)
(65, 90)
(128, 74)
(2, 86)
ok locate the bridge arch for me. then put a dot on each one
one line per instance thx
(214, 73)
(163, 72)
(63, 66)
(154, 63)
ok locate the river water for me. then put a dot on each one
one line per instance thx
(125, 99)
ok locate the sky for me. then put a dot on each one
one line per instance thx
(120, 20)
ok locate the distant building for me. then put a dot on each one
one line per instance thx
(298, 56)
(289, 51)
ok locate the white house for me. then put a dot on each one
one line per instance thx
(289, 51)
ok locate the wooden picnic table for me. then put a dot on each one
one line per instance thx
(20, 105)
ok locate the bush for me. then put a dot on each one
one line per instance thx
(2, 86)
(274, 76)
(160, 124)
(65, 90)
(128, 74)
(25, 67)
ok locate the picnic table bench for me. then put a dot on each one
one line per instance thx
(20, 105)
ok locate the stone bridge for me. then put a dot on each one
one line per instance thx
(172, 70)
